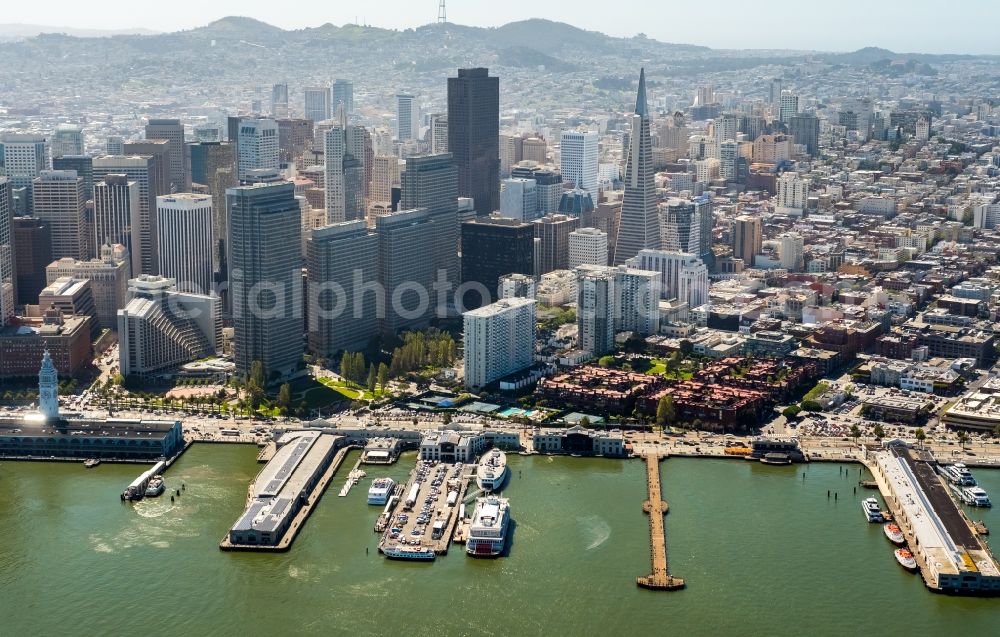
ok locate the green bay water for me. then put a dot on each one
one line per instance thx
(762, 549)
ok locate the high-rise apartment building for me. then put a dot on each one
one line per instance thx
(265, 246)
(344, 175)
(791, 251)
(439, 133)
(792, 192)
(258, 146)
(342, 262)
(682, 275)
(66, 139)
(57, 197)
(342, 95)
(474, 136)
(578, 160)
(788, 107)
(116, 215)
(553, 233)
(173, 131)
(519, 199)
(499, 340)
(639, 227)
(279, 101)
(493, 247)
(595, 310)
(316, 103)
(805, 129)
(587, 246)
(747, 238)
(185, 240)
(431, 182)
(406, 117)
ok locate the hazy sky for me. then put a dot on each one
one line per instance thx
(933, 26)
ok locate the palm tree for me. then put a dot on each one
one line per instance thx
(855, 433)
(962, 439)
(921, 436)
(879, 432)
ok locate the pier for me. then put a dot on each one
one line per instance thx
(660, 579)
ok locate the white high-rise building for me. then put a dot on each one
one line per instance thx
(788, 107)
(729, 155)
(578, 154)
(67, 139)
(407, 123)
(518, 285)
(986, 215)
(316, 103)
(499, 340)
(682, 275)
(637, 300)
(258, 146)
(23, 158)
(791, 251)
(519, 199)
(344, 172)
(385, 174)
(791, 198)
(595, 309)
(185, 240)
(6, 253)
(706, 170)
(587, 246)
(439, 133)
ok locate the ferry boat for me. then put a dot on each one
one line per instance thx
(400, 552)
(872, 510)
(155, 487)
(775, 451)
(894, 533)
(905, 558)
(488, 530)
(958, 474)
(90, 463)
(492, 470)
(973, 496)
(381, 490)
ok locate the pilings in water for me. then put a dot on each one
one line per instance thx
(660, 578)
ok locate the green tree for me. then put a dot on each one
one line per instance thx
(855, 432)
(285, 397)
(383, 376)
(791, 411)
(879, 432)
(920, 435)
(962, 439)
(811, 405)
(372, 378)
(257, 373)
(302, 411)
(665, 412)
(996, 431)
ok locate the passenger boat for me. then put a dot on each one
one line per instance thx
(776, 458)
(958, 474)
(381, 490)
(492, 470)
(872, 510)
(973, 496)
(90, 463)
(488, 530)
(155, 487)
(905, 558)
(894, 533)
(399, 552)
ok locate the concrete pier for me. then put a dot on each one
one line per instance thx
(660, 579)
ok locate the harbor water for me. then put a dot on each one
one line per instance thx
(763, 551)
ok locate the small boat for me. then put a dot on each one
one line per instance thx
(973, 496)
(873, 511)
(894, 533)
(155, 487)
(905, 558)
(408, 553)
(90, 463)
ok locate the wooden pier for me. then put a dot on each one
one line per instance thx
(660, 579)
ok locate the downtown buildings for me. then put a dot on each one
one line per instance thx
(473, 136)
(640, 226)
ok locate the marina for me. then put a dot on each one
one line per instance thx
(585, 523)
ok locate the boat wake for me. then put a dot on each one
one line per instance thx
(595, 529)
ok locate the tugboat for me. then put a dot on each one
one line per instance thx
(90, 463)
(905, 558)
(894, 533)
(155, 487)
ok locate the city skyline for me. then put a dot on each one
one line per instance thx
(676, 24)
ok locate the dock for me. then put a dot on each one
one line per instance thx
(352, 479)
(660, 579)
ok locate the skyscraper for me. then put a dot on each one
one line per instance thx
(67, 139)
(316, 103)
(791, 251)
(405, 117)
(279, 101)
(499, 340)
(213, 165)
(257, 146)
(474, 136)
(173, 131)
(519, 199)
(595, 309)
(405, 270)
(84, 167)
(266, 282)
(342, 259)
(116, 215)
(431, 182)
(553, 232)
(57, 197)
(747, 238)
(805, 129)
(639, 226)
(185, 240)
(148, 171)
(578, 160)
(587, 246)
(788, 107)
(686, 226)
(491, 248)
(344, 175)
(115, 145)
(32, 252)
(7, 280)
(342, 93)
(22, 158)
(439, 133)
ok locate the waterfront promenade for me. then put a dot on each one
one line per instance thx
(660, 578)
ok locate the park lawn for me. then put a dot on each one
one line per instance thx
(316, 393)
(348, 390)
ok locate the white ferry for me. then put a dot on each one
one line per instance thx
(400, 552)
(155, 487)
(381, 490)
(973, 496)
(488, 530)
(958, 474)
(872, 510)
(492, 470)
